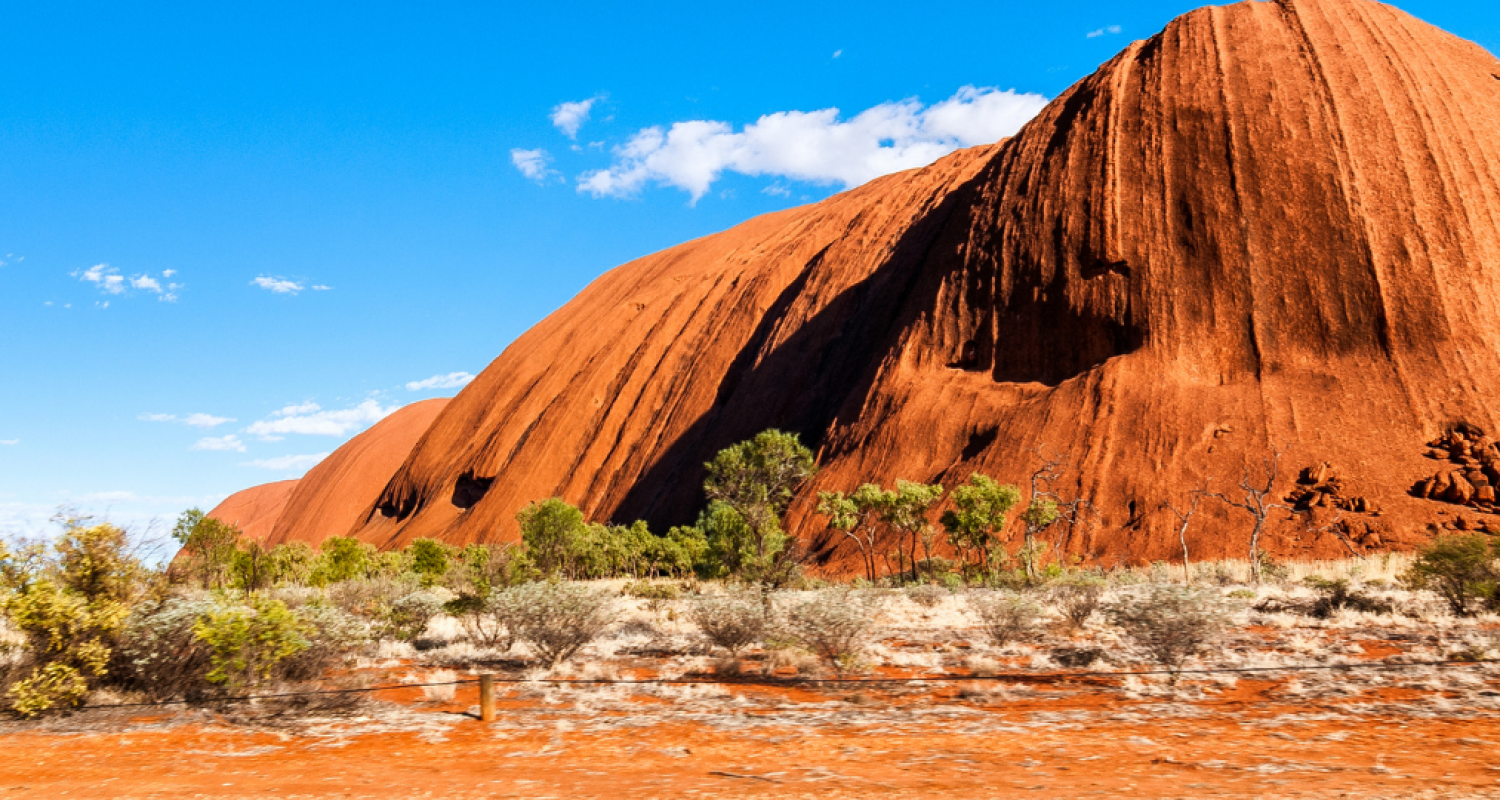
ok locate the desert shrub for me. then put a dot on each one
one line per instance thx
(1006, 616)
(292, 563)
(1077, 597)
(429, 560)
(485, 568)
(733, 621)
(247, 642)
(161, 655)
(647, 590)
(490, 621)
(332, 635)
(406, 617)
(558, 619)
(369, 597)
(551, 531)
(68, 606)
(836, 625)
(1337, 594)
(1170, 624)
(926, 595)
(1460, 569)
(344, 558)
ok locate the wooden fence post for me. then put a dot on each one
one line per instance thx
(487, 698)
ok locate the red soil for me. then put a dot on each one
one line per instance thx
(1245, 741)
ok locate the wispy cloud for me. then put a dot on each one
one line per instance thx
(199, 420)
(452, 380)
(815, 146)
(311, 420)
(107, 278)
(277, 285)
(229, 442)
(287, 463)
(569, 117)
(9, 442)
(1108, 29)
(532, 163)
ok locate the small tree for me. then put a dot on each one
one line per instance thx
(756, 479)
(208, 547)
(429, 560)
(551, 531)
(344, 558)
(977, 517)
(858, 517)
(1184, 518)
(1460, 569)
(1256, 499)
(906, 513)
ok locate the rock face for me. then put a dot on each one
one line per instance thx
(255, 510)
(332, 498)
(1272, 228)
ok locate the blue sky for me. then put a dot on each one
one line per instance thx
(233, 237)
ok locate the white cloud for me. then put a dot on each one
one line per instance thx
(277, 285)
(167, 273)
(287, 463)
(205, 420)
(532, 163)
(1111, 29)
(311, 420)
(9, 442)
(199, 420)
(452, 380)
(145, 282)
(229, 442)
(108, 497)
(107, 278)
(814, 146)
(569, 117)
(838, 53)
(321, 288)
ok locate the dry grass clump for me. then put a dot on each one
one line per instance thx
(1170, 624)
(1007, 617)
(733, 621)
(834, 624)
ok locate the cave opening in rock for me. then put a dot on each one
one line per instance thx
(470, 489)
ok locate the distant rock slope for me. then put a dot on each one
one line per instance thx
(331, 499)
(1274, 226)
(255, 510)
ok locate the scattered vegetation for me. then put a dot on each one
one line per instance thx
(228, 617)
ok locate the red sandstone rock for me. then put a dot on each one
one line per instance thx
(255, 510)
(1273, 225)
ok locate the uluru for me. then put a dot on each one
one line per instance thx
(1271, 230)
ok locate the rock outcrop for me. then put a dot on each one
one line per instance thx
(255, 510)
(332, 498)
(1273, 227)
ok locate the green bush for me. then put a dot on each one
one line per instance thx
(1461, 570)
(429, 560)
(247, 642)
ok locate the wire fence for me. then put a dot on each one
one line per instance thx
(771, 680)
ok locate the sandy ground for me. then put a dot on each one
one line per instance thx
(1006, 723)
(984, 739)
